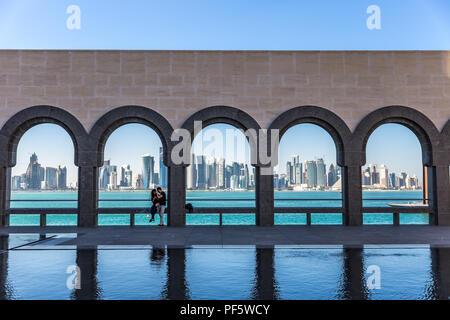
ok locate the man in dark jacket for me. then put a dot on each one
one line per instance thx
(162, 205)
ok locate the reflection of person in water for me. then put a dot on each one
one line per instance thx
(158, 254)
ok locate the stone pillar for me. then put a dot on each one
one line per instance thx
(264, 196)
(87, 196)
(176, 196)
(265, 286)
(176, 286)
(352, 195)
(438, 193)
(5, 194)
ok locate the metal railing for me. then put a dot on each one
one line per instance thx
(132, 211)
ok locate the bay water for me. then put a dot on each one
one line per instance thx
(139, 199)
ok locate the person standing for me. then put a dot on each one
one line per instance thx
(155, 204)
(162, 205)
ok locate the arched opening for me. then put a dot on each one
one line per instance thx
(221, 176)
(133, 165)
(307, 175)
(44, 175)
(394, 175)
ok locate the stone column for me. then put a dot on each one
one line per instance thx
(87, 196)
(438, 193)
(176, 195)
(5, 194)
(264, 196)
(352, 195)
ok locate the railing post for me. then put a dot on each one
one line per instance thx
(132, 217)
(87, 196)
(308, 219)
(396, 218)
(220, 219)
(264, 196)
(5, 183)
(43, 220)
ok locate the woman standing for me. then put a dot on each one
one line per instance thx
(155, 200)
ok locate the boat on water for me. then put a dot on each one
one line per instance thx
(408, 205)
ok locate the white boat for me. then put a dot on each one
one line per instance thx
(408, 205)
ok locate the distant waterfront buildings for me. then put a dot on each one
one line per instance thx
(372, 178)
(112, 179)
(38, 177)
(213, 173)
(307, 175)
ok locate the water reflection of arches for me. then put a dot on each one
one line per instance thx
(5, 290)
(265, 287)
(430, 141)
(87, 261)
(14, 129)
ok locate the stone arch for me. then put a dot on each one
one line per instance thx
(223, 114)
(417, 122)
(13, 130)
(431, 145)
(322, 117)
(120, 116)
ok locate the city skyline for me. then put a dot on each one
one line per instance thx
(39, 177)
(400, 154)
(113, 178)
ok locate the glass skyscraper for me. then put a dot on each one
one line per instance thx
(148, 170)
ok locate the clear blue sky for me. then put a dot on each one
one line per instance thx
(225, 24)
(391, 144)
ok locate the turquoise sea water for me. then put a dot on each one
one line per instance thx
(214, 199)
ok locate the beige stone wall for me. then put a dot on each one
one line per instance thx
(263, 83)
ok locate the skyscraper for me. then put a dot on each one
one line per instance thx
(220, 172)
(321, 173)
(331, 175)
(298, 173)
(162, 170)
(33, 174)
(128, 177)
(384, 177)
(104, 175)
(61, 176)
(113, 178)
(51, 181)
(311, 174)
(148, 169)
(201, 172)
(290, 172)
(191, 174)
(392, 180)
